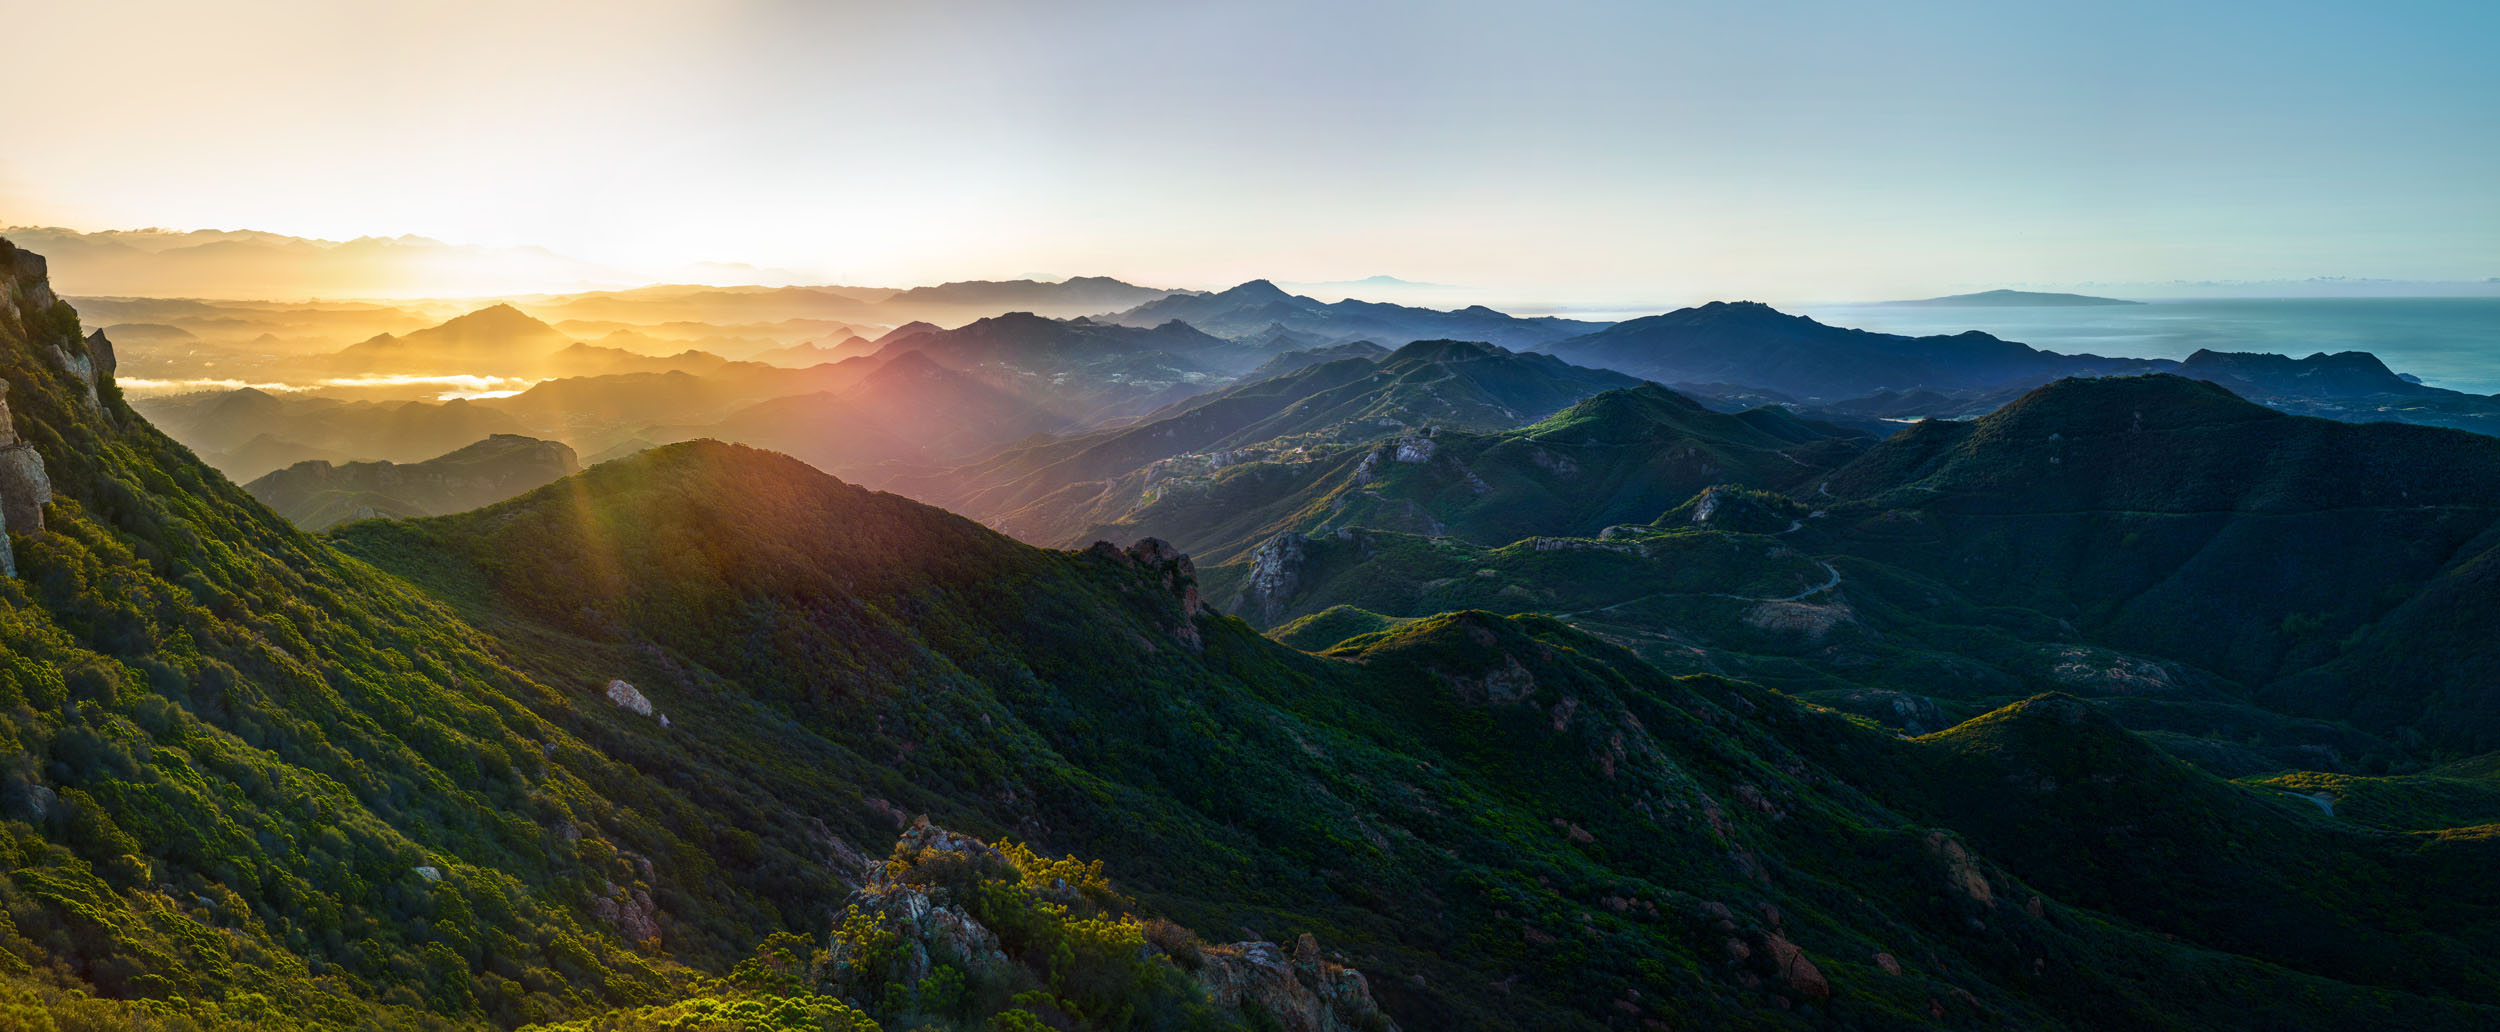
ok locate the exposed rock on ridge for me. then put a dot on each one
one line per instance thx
(1304, 992)
(1176, 574)
(1301, 989)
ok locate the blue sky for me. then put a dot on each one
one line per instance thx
(1785, 150)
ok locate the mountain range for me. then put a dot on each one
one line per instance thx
(1260, 307)
(705, 737)
(1753, 345)
(1296, 434)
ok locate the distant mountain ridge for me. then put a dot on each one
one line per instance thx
(1427, 384)
(2012, 299)
(1259, 306)
(1076, 295)
(1751, 344)
(2344, 374)
(676, 742)
(317, 495)
(1618, 456)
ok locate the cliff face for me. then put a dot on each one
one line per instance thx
(39, 333)
(30, 324)
(17, 503)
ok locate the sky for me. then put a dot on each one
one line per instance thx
(1778, 149)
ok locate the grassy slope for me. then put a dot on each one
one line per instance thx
(239, 744)
(1622, 456)
(2166, 516)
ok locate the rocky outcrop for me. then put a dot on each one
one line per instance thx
(33, 280)
(1789, 964)
(1303, 991)
(630, 908)
(631, 912)
(27, 296)
(932, 927)
(626, 696)
(1276, 570)
(24, 487)
(1179, 575)
(1962, 871)
(914, 897)
(2103, 672)
(1171, 569)
(81, 365)
(1505, 685)
(629, 698)
(100, 357)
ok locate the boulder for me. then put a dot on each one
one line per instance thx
(626, 696)
(1962, 871)
(1790, 965)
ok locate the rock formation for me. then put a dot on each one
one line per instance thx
(100, 357)
(929, 922)
(1275, 574)
(626, 696)
(1304, 992)
(1177, 575)
(24, 486)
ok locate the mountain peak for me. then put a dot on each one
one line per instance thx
(906, 330)
(1446, 351)
(1014, 324)
(497, 316)
(2079, 404)
(1254, 291)
(2344, 373)
(1730, 309)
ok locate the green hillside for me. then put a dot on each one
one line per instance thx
(2167, 516)
(622, 752)
(1312, 410)
(1621, 456)
(317, 495)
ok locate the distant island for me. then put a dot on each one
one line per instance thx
(2013, 299)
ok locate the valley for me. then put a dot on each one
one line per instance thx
(1362, 675)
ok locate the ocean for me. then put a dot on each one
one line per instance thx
(2447, 342)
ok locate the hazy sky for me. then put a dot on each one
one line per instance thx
(1771, 148)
